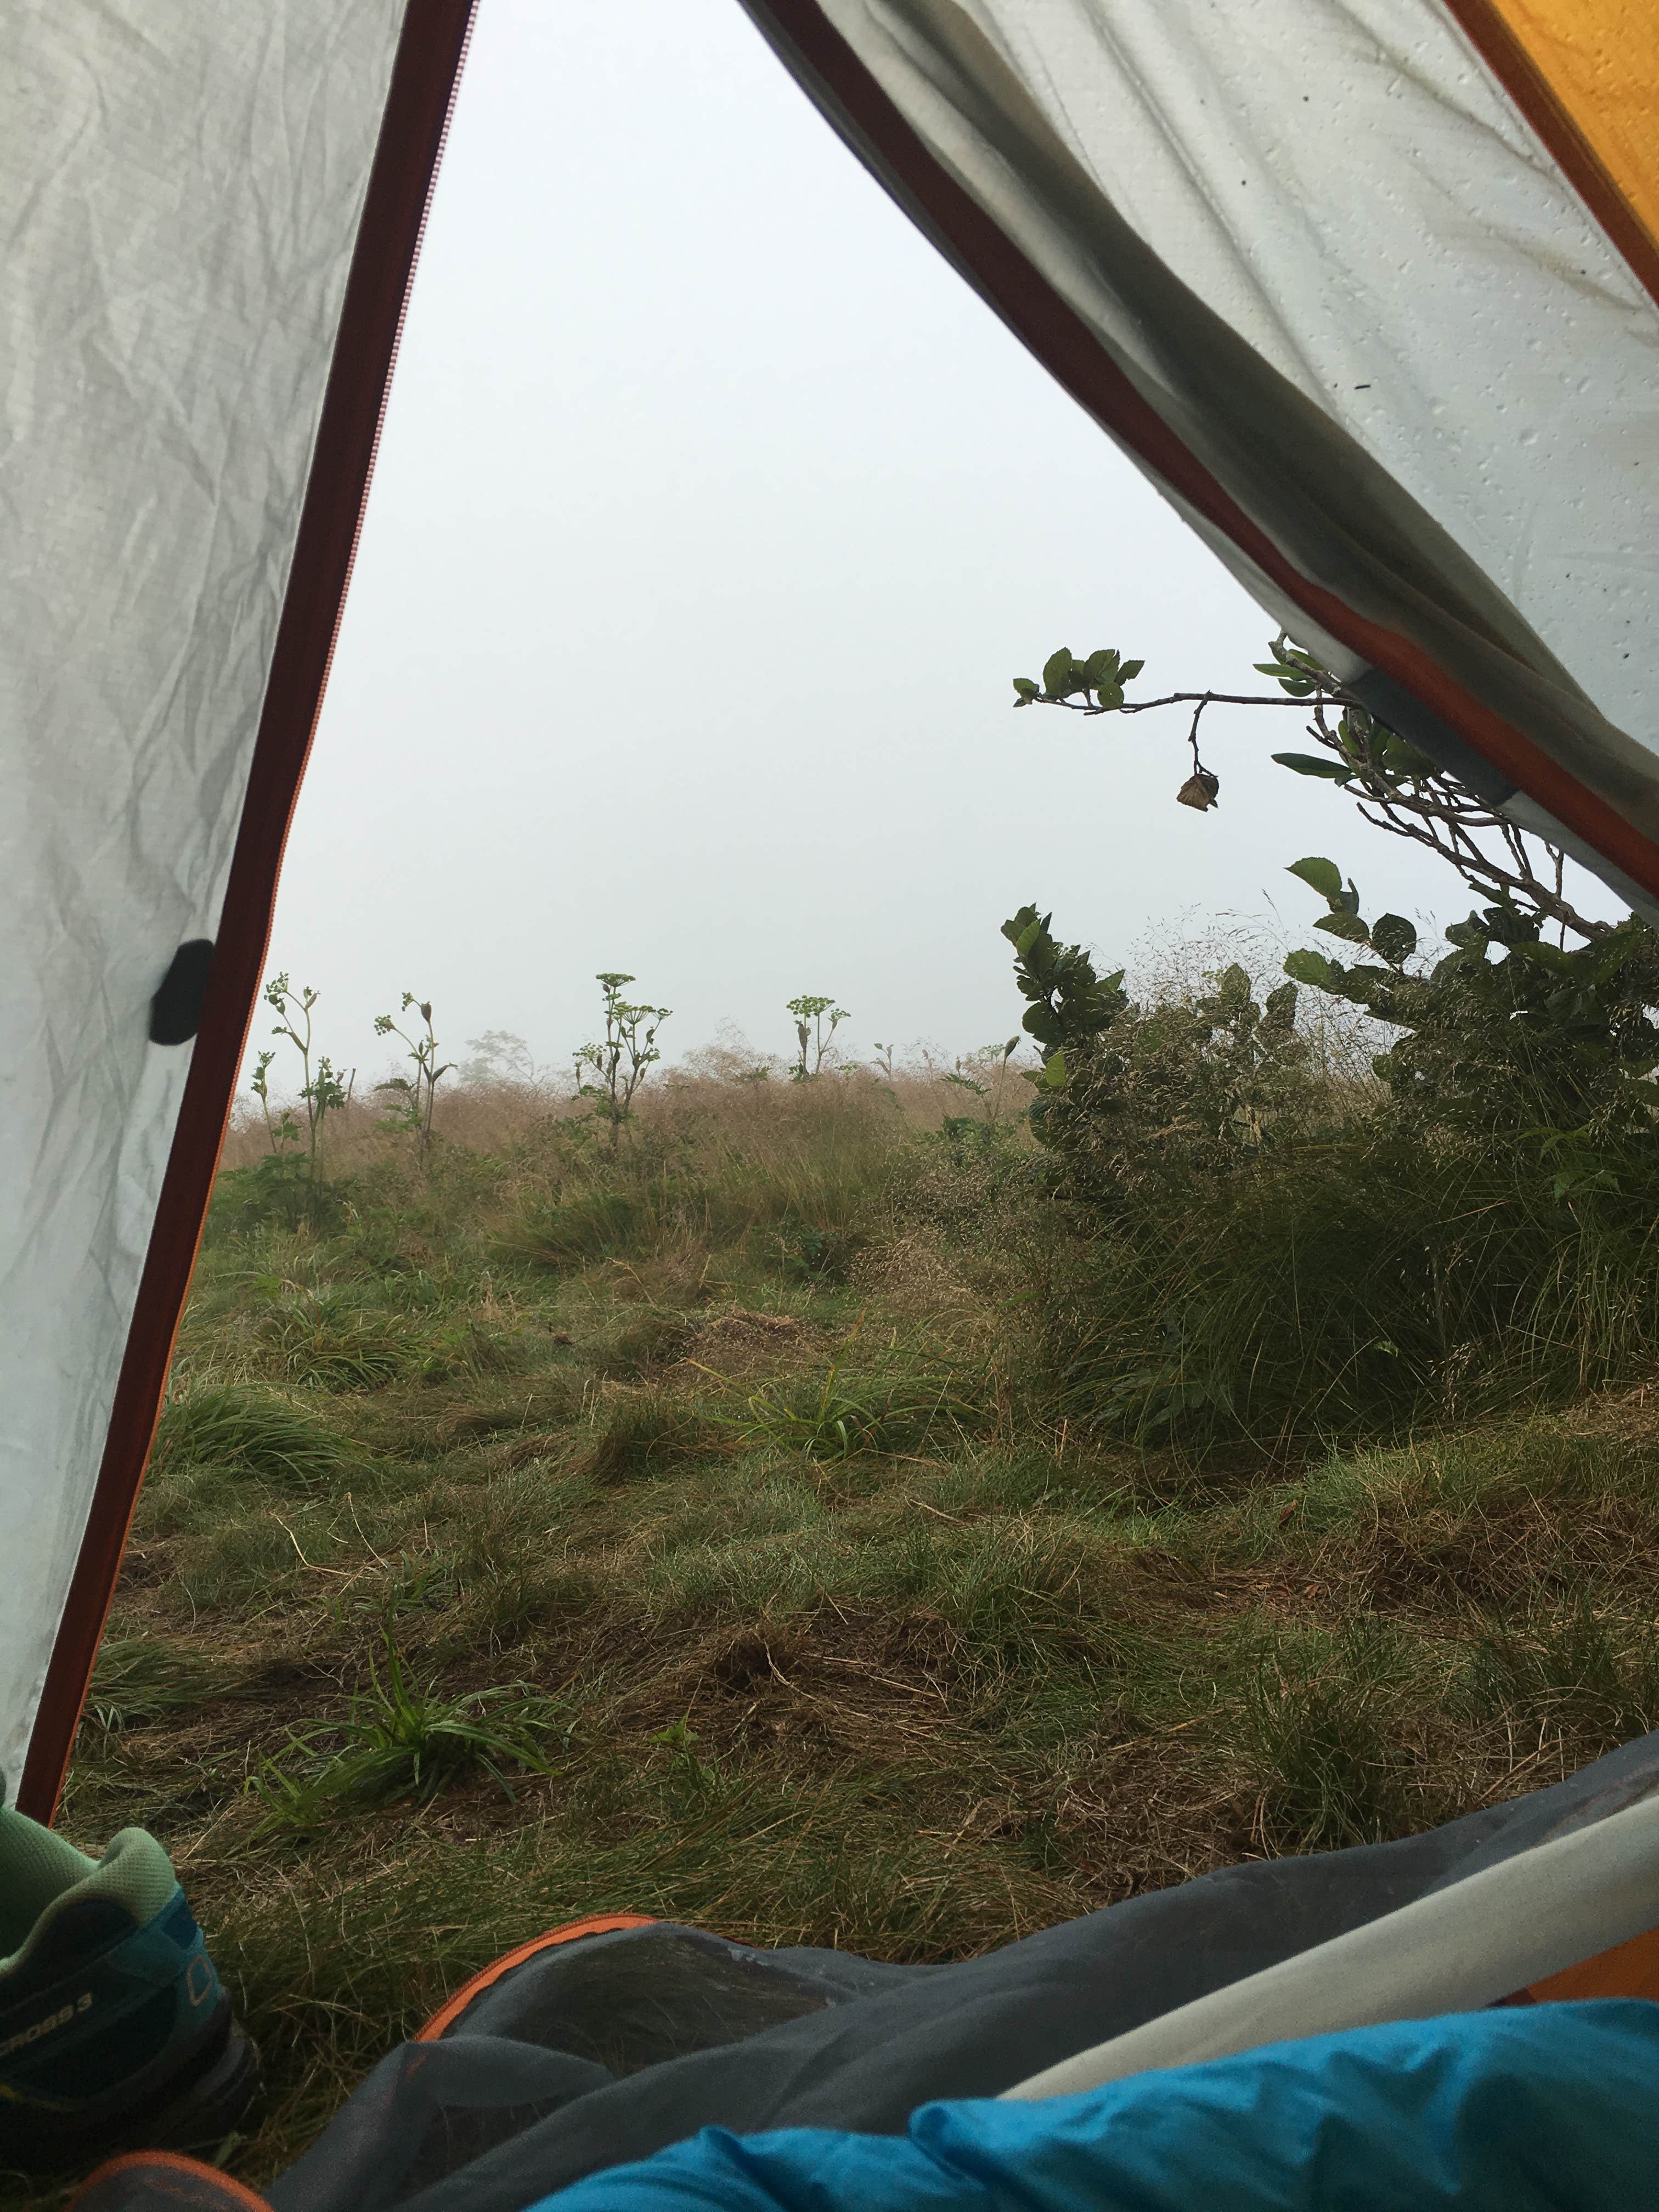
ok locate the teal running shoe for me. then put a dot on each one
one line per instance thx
(115, 2031)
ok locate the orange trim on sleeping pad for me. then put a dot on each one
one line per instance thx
(598, 1924)
(161, 2163)
(1629, 1969)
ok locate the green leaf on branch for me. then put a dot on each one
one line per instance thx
(1054, 1071)
(1101, 667)
(1060, 674)
(1395, 937)
(1232, 986)
(1548, 956)
(1309, 967)
(1402, 759)
(1027, 690)
(1130, 670)
(1320, 875)
(1348, 927)
(1333, 771)
(1297, 681)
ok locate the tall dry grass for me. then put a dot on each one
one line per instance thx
(714, 1103)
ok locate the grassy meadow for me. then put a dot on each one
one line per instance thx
(712, 1528)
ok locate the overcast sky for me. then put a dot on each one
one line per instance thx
(712, 516)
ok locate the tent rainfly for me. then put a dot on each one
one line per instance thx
(1369, 289)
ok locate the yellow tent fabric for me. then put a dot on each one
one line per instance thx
(1600, 60)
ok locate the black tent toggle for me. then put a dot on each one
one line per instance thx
(175, 1012)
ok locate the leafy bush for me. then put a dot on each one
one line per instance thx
(1263, 1249)
(1272, 1254)
(278, 1190)
(1547, 1047)
(1170, 1098)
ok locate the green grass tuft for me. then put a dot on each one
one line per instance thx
(602, 1225)
(1591, 1670)
(842, 1416)
(319, 1343)
(644, 1432)
(233, 1431)
(399, 1741)
(140, 1679)
(1327, 1741)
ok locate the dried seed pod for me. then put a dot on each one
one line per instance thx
(1199, 790)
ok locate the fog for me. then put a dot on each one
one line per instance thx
(713, 517)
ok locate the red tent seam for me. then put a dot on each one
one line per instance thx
(420, 101)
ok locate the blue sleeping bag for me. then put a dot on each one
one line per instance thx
(1543, 2108)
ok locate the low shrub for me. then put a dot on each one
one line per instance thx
(277, 1190)
(1263, 1249)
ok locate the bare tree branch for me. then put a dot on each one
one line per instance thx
(1418, 800)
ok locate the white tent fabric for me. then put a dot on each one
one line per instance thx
(1349, 190)
(1321, 244)
(181, 189)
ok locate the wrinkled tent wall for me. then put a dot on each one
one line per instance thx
(1320, 273)
(183, 194)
